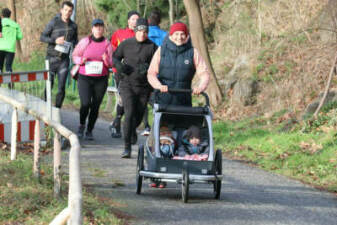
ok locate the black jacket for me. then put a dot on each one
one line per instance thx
(57, 28)
(136, 57)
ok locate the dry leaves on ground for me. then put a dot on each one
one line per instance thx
(310, 147)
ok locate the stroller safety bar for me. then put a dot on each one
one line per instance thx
(174, 176)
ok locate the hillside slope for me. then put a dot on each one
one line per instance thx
(285, 46)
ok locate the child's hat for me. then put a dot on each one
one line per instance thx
(193, 131)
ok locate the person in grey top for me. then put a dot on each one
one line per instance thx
(61, 36)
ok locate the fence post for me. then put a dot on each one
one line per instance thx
(75, 187)
(36, 166)
(14, 133)
(57, 155)
(57, 164)
(48, 91)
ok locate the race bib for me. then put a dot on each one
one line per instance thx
(93, 67)
(64, 48)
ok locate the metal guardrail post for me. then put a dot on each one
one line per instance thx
(14, 133)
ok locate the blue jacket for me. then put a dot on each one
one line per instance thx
(187, 148)
(156, 35)
(176, 70)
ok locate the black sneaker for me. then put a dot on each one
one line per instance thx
(115, 128)
(126, 154)
(80, 131)
(134, 137)
(88, 136)
(114, 134)
(146, 131)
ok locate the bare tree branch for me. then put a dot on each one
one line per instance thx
(127, 5)
(327, 87)
(171, 14)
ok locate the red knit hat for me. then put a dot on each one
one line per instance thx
(179, 27)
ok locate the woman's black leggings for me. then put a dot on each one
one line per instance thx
(91, 91)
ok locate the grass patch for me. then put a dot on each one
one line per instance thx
(36, 62)
(96, 172)
(25, 200)
(309, 157)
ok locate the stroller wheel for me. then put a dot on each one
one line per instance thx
(185, 182)
(218, 171)
(140, 166)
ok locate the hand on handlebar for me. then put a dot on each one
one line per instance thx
(163, 88)
(196, 91)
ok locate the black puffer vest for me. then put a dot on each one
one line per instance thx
(176, 70)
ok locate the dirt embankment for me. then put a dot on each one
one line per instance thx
(287, 46)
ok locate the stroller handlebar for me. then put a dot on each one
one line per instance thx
(179, 90)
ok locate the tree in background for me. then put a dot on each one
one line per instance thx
(117, 9)
(117, 13)
(199, 42)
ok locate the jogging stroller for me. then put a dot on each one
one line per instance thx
(162, 165)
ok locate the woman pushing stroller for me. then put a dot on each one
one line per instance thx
(174, 65)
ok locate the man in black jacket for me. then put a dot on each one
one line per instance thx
(132, 59)
(61, 36)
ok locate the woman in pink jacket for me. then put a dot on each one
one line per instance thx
(94, 55)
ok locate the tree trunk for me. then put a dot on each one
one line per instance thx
(13, 8)
(199, 42)
(127, 5)
(138, 6)
(171, 14)
(327, 87)
(145, 9)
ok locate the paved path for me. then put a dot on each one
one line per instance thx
(249, 195)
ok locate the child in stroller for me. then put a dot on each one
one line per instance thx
(192, 148)
(167, 149)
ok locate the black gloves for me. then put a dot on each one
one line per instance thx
(142, 69)
(125, 69)
(122, 68)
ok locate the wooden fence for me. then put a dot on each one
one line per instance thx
(73, 213)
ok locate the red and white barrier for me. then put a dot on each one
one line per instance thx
(23, 77)
(26, 123)
(25, 131)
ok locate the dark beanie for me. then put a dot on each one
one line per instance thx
(141, 24)
(133, 12)
(193, 131)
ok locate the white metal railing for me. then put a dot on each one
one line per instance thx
(73, 213)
